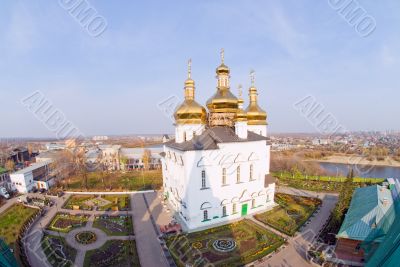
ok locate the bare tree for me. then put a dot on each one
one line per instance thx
(146, 159)
(10, 165)
(81, 165)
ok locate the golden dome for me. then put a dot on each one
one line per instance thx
(190, 112)
(240, 114)
(223, 101)
(255, 114)
(222, 69)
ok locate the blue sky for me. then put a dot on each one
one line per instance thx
(112, 84)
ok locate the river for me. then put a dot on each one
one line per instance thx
(366, 171)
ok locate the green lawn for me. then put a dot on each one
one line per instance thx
(196, 249)
(78, 200)
(57, 251)
(339, 179)
(114, 225)
(116, 181)
(12, 220)
(291, 214)
(113, 253)
(65, 222)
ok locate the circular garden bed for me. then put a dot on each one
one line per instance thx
(85, 237)
(224, 244)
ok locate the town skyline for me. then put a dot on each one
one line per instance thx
(139, 61)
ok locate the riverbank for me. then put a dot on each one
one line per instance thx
(359, 160)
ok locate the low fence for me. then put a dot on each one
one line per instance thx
(25, 229)
(109, 193)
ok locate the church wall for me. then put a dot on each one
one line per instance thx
(216, 195)
(258, 129)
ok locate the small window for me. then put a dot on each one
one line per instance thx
(238, 174)
(203, 179)
(253, 203)
(251, 172)
(205, 215)
(234, 208)
(224, 211)
(223, 176)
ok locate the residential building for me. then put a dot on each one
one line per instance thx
(35, 176)
(4, 178)
(110, 156)
(133, 158)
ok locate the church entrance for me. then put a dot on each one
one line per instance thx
(244, 209)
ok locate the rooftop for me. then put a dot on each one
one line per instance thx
(209, 139)
(33, 167)
(367, 213)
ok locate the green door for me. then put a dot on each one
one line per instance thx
(244, 209)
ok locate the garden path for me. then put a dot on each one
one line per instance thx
(32, 239)
(148, 245)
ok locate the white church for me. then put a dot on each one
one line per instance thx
(217, 168)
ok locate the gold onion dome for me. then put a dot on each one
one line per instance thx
(223, 100)
(240, 114)
(255, 114)
(190, 112)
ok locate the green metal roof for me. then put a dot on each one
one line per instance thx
(388, 252)
(7, 258)
(367, 208)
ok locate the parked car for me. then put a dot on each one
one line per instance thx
(4, 193)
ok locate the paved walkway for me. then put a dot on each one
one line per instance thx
(32, 240)
(147, 243)
(8, 204)
(294, 254)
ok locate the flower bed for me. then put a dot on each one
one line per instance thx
(113, 253)
(114, 225)
(243, 242)
(57, 251)
(86, 237)
(291, 214)
(64, 222)
(99, 202)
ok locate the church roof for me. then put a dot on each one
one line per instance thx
(209, 139)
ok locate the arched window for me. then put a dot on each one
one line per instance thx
(223, 176)
(184, 136)
(205, 215)
(251, 172)
(253, 203)
(238, 174)
(224, 211)
(203, 179)
(234, 208)
(267, 197)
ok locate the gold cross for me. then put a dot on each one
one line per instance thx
(190, 68)
(252, 77)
